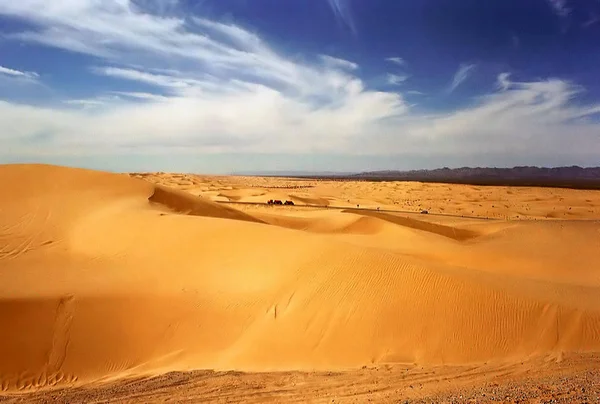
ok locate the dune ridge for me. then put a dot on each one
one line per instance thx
(184, 202)
(104, 276)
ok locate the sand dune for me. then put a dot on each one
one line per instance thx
(184, 202)
(104, 276)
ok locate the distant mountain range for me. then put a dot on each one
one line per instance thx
(569, 177)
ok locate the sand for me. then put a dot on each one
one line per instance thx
(573, 380)
(111, 276)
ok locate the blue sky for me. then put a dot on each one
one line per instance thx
(335, 85)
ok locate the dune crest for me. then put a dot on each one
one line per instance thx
(183, 202)
(100, 278)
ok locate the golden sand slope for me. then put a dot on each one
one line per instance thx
(102, 275)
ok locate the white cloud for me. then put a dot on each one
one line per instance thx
(221, 88)
(149, 78)
(114, 99)
(395, 79)
(100, 100)
(523, 119)
(338, 63)
(463, 73)
(396, 60)
(503, 81)
(86, 102)
(141, 95)
(121, 32)
(18, 74)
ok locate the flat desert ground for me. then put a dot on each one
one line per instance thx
(179, 287)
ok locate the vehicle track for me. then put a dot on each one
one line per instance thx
(350, 209)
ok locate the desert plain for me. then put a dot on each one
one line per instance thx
(155, 287)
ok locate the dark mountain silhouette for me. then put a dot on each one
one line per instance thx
(569, 177)
(558, 177)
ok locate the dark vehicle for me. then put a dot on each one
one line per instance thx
(289, 203)
(424, 212)
(274, 202)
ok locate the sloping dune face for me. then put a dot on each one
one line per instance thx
(102, 275)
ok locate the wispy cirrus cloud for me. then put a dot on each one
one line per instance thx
(85, 102)
(8, 72)
(93, 103)
(396, 60)
(396, 79)
(521, 117)
(141, 95)
(114, 99)
(121, 32)
(338, 63)
(462, 74)
(220, 79)
(160, 80)
(343, 13)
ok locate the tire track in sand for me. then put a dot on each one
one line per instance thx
(61, 333)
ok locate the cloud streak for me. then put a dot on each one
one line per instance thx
(159, 80)
(5, 71)
(338, 63)
(341, 11)
(141, 95)
(462, 74)
(396, 60)
(395, 79)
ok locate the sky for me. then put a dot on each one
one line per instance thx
(222, 86)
